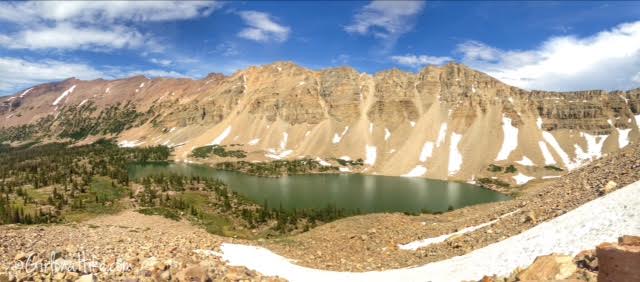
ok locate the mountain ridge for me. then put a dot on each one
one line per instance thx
(449, 122)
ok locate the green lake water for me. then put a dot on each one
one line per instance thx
(367, 193)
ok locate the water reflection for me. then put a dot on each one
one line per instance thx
(368, 193)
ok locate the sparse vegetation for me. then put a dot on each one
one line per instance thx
(494, 168)
(207, 151)
(552, 167)
(277, 168)
(491, 181)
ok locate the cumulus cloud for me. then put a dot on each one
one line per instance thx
(415, 61)
(91, 25)
(387, 20)
(261, 27)
(606, 60)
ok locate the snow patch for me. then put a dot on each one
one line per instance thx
(548, 158)
(442, 134)
(129, 144)
(525, 161)
(278, 156)
(283, 143)
(322, 162)
(419, 170)
(412, 123)
(253, 142)
(336, 138)
(387, 134)
(107, 90)
(64, 94)
(427, 151)
(551, 140)
(222, 136)
(82, 103)
(522, 179)
(569, 234)
(371, 155)
(623, 137)
(307, 133)
(370, 128)
(637, 118)
(539, 123)
(455, 158)
(344, 169)
(25, 92)
(510, 139)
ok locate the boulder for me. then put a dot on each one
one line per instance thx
(619, 262)
(193, 273)
(549, 267)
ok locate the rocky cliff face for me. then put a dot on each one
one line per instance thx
(447, 122)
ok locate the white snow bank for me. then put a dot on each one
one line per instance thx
(455, 158)
(64, 94)
(82, 103)
(569, 234)
(551, 140)
(525, 161)
(510, 139)
(322, 162)
(25, 92)
(283, 143)
(439, 239)
(222, 136)
(427, 151)
(346, 158)
(387, 134)
(279, 156)
(623, 137)
(419, 170)
(637, 118)
(522, 179)
(253, 142)
(337, 137)
(442, 134)
(548, 158)
(344, 169)
(412, 123)
(371, 155)
(129, 144)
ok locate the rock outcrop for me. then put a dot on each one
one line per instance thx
(451, 122)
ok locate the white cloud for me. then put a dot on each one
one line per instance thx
(262, 27)
(91, 25)
(606, 60)
(226, 49)
(70, 37)
(386, 19)
(419, 61)
(162, 62)
(17, 73)
(104, 11)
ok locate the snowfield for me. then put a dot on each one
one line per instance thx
(64, 94)
(548, 158)
(419, 170)
(455, 158)
(623, 137)
(371, 155)
(427, 151)
(510, 139)
(577, 230)
(442, 134)
(522, 179)
(222, 136)
(525, 161)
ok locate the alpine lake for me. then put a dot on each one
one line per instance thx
(364, 193)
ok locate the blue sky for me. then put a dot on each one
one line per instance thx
(534, 45)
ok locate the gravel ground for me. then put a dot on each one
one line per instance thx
(617, 214)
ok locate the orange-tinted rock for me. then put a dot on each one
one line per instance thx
(617, 262)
